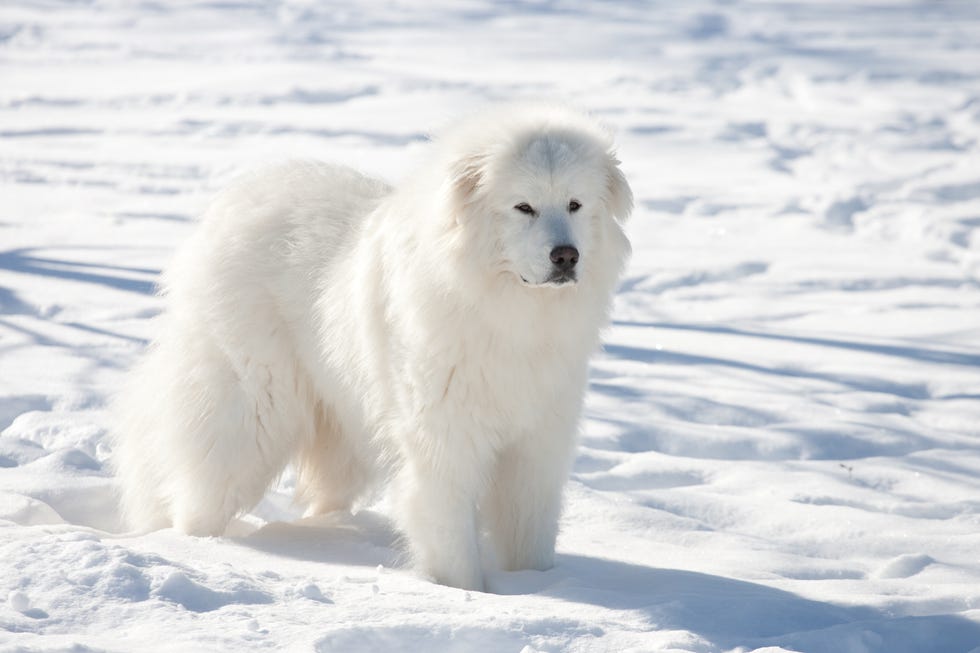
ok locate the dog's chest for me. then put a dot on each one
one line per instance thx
(509, 389)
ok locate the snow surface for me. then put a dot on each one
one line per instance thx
(780, 450)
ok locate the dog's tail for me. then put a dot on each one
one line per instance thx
(138, 430)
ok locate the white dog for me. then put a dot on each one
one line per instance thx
(436, 336)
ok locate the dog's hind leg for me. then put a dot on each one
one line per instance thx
(331, 474)
(231, 426)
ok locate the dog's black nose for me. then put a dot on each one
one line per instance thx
(564, 257)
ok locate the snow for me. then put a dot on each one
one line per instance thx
(780, 450)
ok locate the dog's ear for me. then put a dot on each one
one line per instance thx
(466, 176)
(620, 196)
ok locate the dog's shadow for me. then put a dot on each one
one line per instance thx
(726, 612)
(731, 613)
(365, 539)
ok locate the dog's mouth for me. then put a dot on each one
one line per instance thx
(555, 280)
(560, 279)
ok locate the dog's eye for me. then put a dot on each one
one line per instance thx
(525, 208)
(573, 206)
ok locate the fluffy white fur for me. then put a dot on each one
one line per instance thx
(370, 335)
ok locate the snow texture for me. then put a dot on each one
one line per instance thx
(781, 447)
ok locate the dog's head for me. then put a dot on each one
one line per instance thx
(544, 191)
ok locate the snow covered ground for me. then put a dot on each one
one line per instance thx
(781, 449)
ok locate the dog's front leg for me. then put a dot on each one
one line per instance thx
(437, 493)
(522, 507)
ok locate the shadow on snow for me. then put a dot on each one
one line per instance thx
(922, 354)
(731, 613)
(22, 261)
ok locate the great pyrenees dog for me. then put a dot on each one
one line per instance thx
(431, 339)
